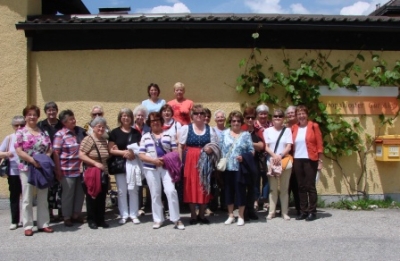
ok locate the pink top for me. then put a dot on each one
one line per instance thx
(181, 110)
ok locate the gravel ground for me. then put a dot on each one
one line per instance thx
(335, 235)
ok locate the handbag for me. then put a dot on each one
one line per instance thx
(5, 163)
(277, 169)
(221, 165)
(117, 164)
(287, 162)
(104, 176)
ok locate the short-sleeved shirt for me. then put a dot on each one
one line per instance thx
(8, 145)
(66, 145)
(242, 144)
(181, 110)
(87, 146)
(184, 133)
(122, 139)
(31, 144)
(271, 136)
(153, 106)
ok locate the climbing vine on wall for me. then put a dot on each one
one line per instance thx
(298, 83)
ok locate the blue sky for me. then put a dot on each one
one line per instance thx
(335, 7)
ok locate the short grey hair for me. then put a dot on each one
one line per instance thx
(291, 107)
(219, 111)
(18, 119)
(98, 120)
(262, 108)
(140, 108)
(127, 112)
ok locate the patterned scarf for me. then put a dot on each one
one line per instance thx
(206, 165)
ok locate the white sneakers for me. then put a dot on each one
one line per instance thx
(231, 220)
(157, 225)
(179, 225)
(135, 220)
(13, 226)
(122, 221)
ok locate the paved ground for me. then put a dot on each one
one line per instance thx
(336, 235)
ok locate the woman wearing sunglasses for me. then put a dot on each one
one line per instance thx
(278, 143)
(7, 150)
(192, 139)
(96, 111)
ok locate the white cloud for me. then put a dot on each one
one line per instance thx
(298, 9)
(264, 6)
(175, 8)
(361, 8)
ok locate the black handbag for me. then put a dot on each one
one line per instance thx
(5, 163)
(117, 164)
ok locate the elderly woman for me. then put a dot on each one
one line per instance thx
(67, 162)
(96, 111)
(278, 143)
(192, 140)
(219, 118)
(293, 185)
(7, 150)
(140, 114)
(153, 103)
(308, 149)
(253, 187)
(94, 153)
(207, 116)
(153, 147)
(32, 141)
(181, 105)
(51, 125)
(170, 126)
(119, 140)
(236, 146)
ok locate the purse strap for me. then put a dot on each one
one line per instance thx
(279, 138)
(97, 149)
(8, 143)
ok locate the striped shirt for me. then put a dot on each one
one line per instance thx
(66, 145)
(87, 146)
(148, 146)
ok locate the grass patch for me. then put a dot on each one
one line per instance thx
(365, 204)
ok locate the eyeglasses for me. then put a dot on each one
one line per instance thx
(199, 113)
(97, 114)
(19, 125)
(233, 121)
(278, 116)
(250, 118)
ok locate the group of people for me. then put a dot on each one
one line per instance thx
(249, 158)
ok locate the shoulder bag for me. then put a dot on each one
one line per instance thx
(221, 165)
(104, 176)
(5, 163)
(117, 164)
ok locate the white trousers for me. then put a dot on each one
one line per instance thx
(154, 180)
(42, 211)
(283, 191)
(122, 186)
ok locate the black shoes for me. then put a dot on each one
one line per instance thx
(203, 220)
(311, 217)
(302, 216)
(103, 225)
(92, 225)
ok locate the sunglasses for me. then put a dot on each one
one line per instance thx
(278, 116)
(97, 114)
(199, 113)
(233, 121)
(19, 125)
(250, 118)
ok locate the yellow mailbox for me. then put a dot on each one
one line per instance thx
(387, 148)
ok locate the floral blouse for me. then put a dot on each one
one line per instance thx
(31, 144)
(244, 144)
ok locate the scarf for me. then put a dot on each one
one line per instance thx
(173, 164)
(167, 126)
(258, 126)
(206, 165)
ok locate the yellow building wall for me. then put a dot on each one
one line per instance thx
(119, 78)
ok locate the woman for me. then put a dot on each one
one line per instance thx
(253, 188)
(96, 111)
(207, 116)
(140, 114)
(181, 105)
(308, 149)
(153, 147)
(278, 143)
(67, 162)
(51, 125)
(219, 118)
(193, 138)
(31, 141)
(153, 103)
(293, 185)
(7, 150)
(236, 146)
(94, 153)
(119, 139)
(170, 126)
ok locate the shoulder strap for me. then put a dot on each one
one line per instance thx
(97, 149)
(8, 143)
(279, 138)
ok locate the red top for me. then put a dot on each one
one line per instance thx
(181, 110)
(314, 142)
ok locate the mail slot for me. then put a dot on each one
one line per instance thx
(387, 148)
